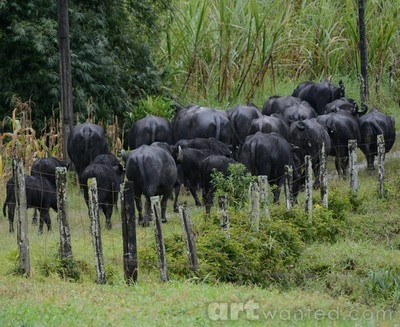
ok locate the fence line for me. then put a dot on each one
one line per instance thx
(129, 250)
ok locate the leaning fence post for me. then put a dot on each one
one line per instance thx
(129, 243)
(353, 166)
(162, 258)
(223, 208)
(189, 236)
(381, 161)
(96, 230)
(308, 186)
(323, 176)
(22, 217)
(289, 186)
(62, 214)
(255, 206)
(264, 193)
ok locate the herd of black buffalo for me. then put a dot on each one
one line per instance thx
(164, 155)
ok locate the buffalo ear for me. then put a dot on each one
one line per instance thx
(180, 154)
(124, 154)
(295, 149)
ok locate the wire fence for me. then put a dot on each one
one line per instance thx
(78, 213)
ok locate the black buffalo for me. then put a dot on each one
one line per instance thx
(207, 167)
(341, 127)
(308, 135)
(111, 161)
(371, 125)
(108, 186)
(148, 130)
(188, 165)
(346, 104)
(267, 154)
(46, 168)
(40, 194)
(153, 172)
(319, 94)
(269, 124)
(195, 121)
(211, 143)
(277, 104)
(241, 118)
(85, 142)
(301, 111)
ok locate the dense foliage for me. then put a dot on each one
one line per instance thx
(230, 51)
(112, 66)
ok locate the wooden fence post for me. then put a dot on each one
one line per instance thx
(264, 193)
(289, 186)
(96, 230)
(323, 176)
(189, 237)
(223, 208)
(255, 206)
(129, 243)
(308, 186)
(62, 214)
(381, 161)
(353, 165)
(162, 258)
(22, 217)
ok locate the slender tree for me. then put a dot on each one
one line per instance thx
(363, 51)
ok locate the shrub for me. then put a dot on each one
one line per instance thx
(235, 185)
(150, 105)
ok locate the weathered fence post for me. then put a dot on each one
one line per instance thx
(264, 193)
(255, 206)
(323, 176)
(96, 230)
(22, 217)
(353, 165)
(189, 237)
(62, 214)
(289, 186)
(308, 186)
(223, 208)
(381, 161)
(129, 243)
(162, 258)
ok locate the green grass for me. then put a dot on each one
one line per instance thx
(352, 280)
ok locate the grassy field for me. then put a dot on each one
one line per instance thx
(351, 281)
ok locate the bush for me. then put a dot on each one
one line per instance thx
(151, 105)
(235, 185)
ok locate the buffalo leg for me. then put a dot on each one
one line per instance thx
(193, 191)
(164, 202)
(177, 189)
(11, 210)
(35, 217)
(208, 199)
(44, 219)
(107, 210)
(370, 161)
(138, 202)
(147, 213)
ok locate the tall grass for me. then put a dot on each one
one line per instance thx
(228, 50)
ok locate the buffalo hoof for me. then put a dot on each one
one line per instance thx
(34, 221)
(164, 221)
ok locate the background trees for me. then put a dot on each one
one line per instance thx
(112, 66)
